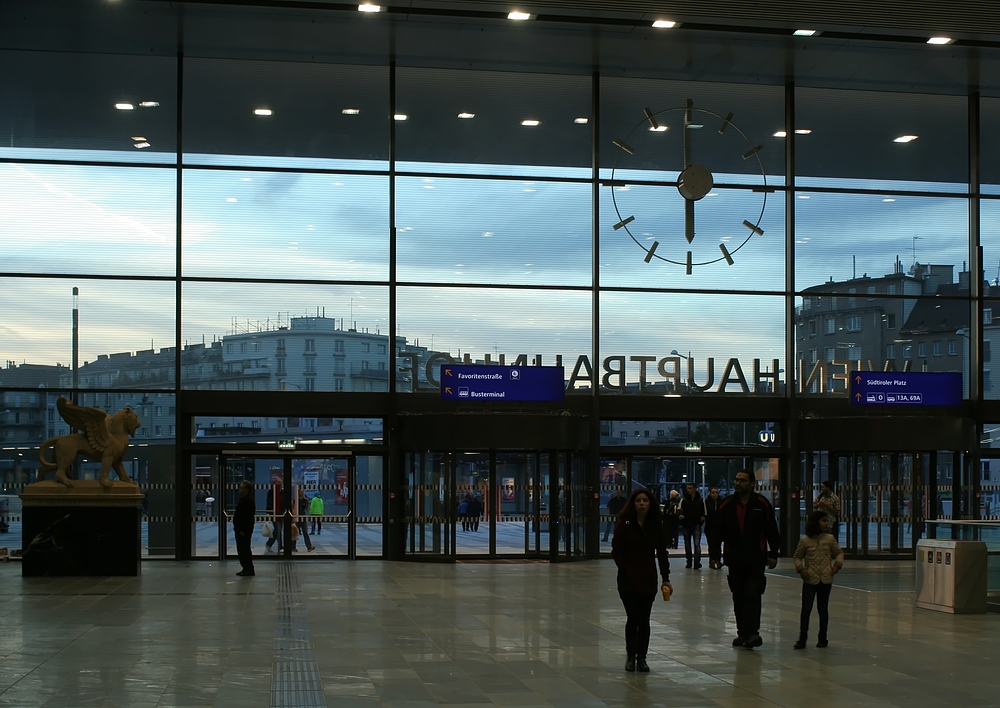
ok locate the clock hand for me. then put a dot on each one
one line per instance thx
(689, 220)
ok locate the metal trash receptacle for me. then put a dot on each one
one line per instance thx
(951, 576)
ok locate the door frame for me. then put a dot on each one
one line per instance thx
(286, 457)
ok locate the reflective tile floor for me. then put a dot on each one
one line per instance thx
(410, 635)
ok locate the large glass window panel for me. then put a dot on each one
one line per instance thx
(66, 106)
(272, 337)
(85, 219)
(882, 140)
(881, 334)
(126, 331)
(285, 114)
(496, 232)
(666, 343)
(675, 433)
(854, 241)
(989, 220)
(758, 111)
(540, 327)
(989, 145)
(286, 225)
(660, 218)
(491, 122)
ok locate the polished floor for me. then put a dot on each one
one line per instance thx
(407, 635)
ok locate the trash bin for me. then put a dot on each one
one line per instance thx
(951, 576)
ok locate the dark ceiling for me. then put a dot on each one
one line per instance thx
(87, 55)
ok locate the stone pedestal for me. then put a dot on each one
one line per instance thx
(85, 530)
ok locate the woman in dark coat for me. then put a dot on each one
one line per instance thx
(638, 543)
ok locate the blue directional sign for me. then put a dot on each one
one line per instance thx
(485, 384)
(891, 388)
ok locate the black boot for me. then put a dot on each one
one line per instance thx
(822, 643)
(630, 663)
(801, 644)
(641, 665)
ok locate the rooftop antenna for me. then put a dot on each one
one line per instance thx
(914, 247)
(854, 267)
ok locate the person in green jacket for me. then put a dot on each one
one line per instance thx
(316, 509)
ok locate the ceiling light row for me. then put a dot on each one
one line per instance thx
(515, 15)
(798, 131)
(814, 33)
(131, 107)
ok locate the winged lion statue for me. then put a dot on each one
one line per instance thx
(104, 439)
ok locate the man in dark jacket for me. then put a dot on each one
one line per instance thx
(615, 505)
(751, 538)
(243, 519)
(273, 503)
(692, 516)
(713, 531)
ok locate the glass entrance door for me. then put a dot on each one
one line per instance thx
(330, 504)
(495, 504)
(662, 475)
(885, 497)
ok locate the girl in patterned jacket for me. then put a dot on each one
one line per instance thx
(818, 558)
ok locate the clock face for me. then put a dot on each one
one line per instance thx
(649, 211)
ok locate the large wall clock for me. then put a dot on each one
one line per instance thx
(694, 182)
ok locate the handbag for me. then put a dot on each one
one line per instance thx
(295, 532)
(267, 532)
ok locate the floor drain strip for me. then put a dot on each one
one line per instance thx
(295, 679)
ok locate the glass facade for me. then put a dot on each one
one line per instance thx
(237, 222)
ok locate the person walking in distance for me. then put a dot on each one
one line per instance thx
(829, 503)
(301, 520)
(273, 503)
(671, 522)
(316, 512)
(692, 517)
(615, 505)
(475, 512)
(750, 535)
(638, 544)
(713, 532)
(818, 557)
(243, 519)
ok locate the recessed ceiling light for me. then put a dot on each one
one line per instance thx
(531, 122)
(780, 134)
(368, 7)
(351, 111)
(517, 15)
(664, 24)
(149, 104)
(231, 199)
(124, 106)
(803, 196)
(658, 129)
(263, 112)
(466, 115)
(905, 139)
(940, 40)
(888, 200)
(138, 138)
(804, 33)
(581, 121)
(802, 131)
(400, 116)
(142, 145)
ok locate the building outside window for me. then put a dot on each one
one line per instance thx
(890, 351)
(922, 349)
(338, 346)
(854, 323)
(936, 348)
(831, 325)
(952, 347)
